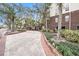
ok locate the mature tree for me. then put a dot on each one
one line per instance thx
(11, 12)
(42, 12)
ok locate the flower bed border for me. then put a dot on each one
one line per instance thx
(48, 48)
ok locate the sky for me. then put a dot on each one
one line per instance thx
(27, 5)
(30, 5)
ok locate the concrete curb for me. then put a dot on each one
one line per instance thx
(52, 51)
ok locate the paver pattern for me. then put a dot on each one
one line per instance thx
(24, 44)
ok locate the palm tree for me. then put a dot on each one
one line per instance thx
(10, 11)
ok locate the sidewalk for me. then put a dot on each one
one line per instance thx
(24, 44)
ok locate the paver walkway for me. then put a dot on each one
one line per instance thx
(24, 44)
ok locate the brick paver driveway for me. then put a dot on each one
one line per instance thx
(24, 44)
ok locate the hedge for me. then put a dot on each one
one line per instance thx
(48, 30)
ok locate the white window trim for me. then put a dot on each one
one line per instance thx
(56, 20)
(67, 18)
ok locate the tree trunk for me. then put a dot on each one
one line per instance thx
(59, 20)
(46, 24)
(12, 25)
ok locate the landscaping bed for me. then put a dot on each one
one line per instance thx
(68, 48)
(15, 32)
(49, 42)
(49, 35)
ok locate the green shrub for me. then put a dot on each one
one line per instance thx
(21, 30)
(70, 35)
(51, 31)
(49, 36)
(48, 30)
(67, 49)
(43, 30)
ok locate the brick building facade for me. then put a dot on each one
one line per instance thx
(52, 23)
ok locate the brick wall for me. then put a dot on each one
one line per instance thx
(74, 21)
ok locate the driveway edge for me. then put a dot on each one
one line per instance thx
(48, 48)
(2, 45)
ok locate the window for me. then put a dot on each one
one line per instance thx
(63, 27)
(66, 5)
(77, 27)
(67, 18)
(56, 20)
